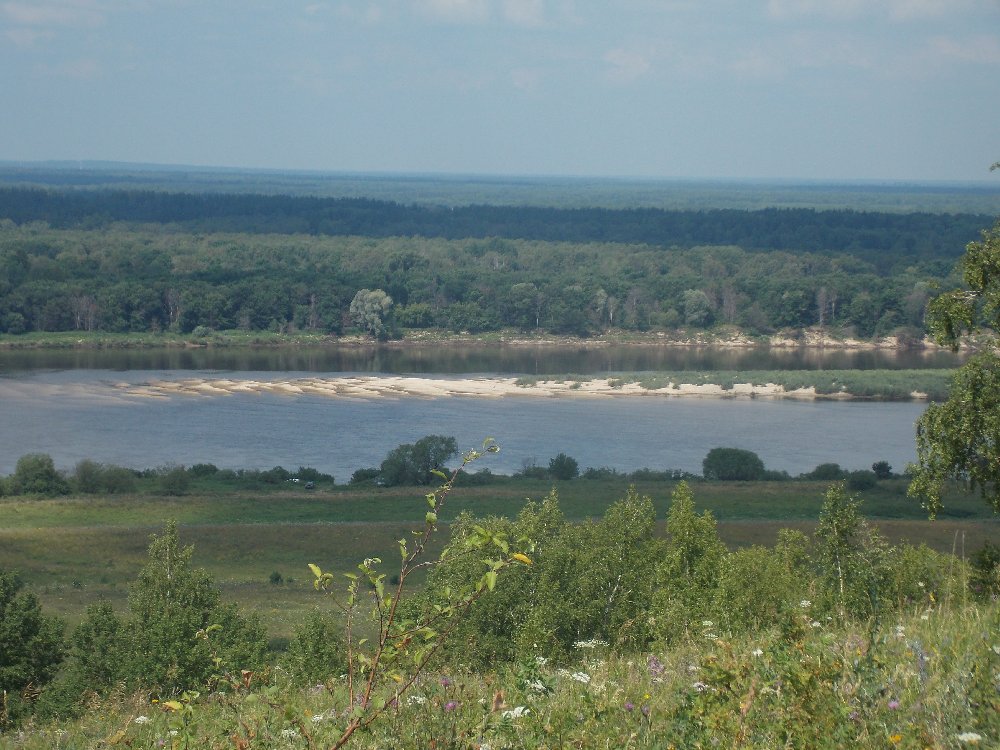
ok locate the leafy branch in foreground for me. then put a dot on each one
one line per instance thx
(960, 439)
(382, 669)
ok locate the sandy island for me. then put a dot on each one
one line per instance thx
(377, 387)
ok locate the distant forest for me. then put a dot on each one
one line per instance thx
(144, 260)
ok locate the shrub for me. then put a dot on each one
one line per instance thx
(412, 464)
(882, 470)
(826, 473)
(308, 474)
(858, 481)
(603, 472)
(316, 651)
(985, 576)
(170, 639)
(90, 477)
(563, 467)
(758, 588)
(35, 474)
(360, 476)
(689, 572)
(203, 470)
(732, 464)
(31, 646)
(174, 480)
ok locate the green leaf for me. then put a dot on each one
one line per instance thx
(315, 570)
(431, 518)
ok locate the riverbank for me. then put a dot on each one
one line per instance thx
(724, 337)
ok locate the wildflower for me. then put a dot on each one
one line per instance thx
(629, 706)
(541, 661)
(581, 677)
(692, 668)
(970, 738)
(537, 686)
(700, 686)
(893, 704)
(516, 713)
(593, 643)
(757, 652)
(172, 732)
(450, 706)
(445, 682)
(645, 711)
(141, 720)
(805, 604)
(895, 739)
(317, 718)
(815, 624)
(289, 734)
(416, 700)
(655, 666)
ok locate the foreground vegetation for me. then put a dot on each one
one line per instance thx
(613, 635)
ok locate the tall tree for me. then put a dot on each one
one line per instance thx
(960, 439)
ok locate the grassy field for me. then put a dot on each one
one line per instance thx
(74, 550)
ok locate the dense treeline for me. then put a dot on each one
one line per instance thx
(150, 279)
(877, 237)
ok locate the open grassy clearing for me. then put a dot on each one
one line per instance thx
(75, 550)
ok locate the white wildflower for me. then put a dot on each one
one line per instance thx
(537, 686)
(141, 720)
(707, 623)
(593, 643)
(970, 737)
(172, 732)
(289, 734)
(920, 584)
(317, 718)
(581, 677)
(805, 604)
(692, 668)
(516, 713)
(541, 661)
(416, 700)
(815, 624)
(757, 652)
(925, 616)
(701, 687)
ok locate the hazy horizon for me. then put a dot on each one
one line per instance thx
(789, 90)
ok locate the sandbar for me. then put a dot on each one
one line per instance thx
(394, 387)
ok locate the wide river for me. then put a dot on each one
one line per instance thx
(92, 404)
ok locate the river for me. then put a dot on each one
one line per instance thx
(84, 404)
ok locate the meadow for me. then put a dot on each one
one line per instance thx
(75, 550)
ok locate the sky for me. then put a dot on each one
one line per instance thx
(703, 89)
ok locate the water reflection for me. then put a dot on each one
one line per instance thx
(448, 359)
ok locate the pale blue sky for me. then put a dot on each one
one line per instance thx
(814, 89)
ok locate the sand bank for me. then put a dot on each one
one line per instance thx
(378, 387)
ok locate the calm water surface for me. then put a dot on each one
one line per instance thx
(77, 412)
